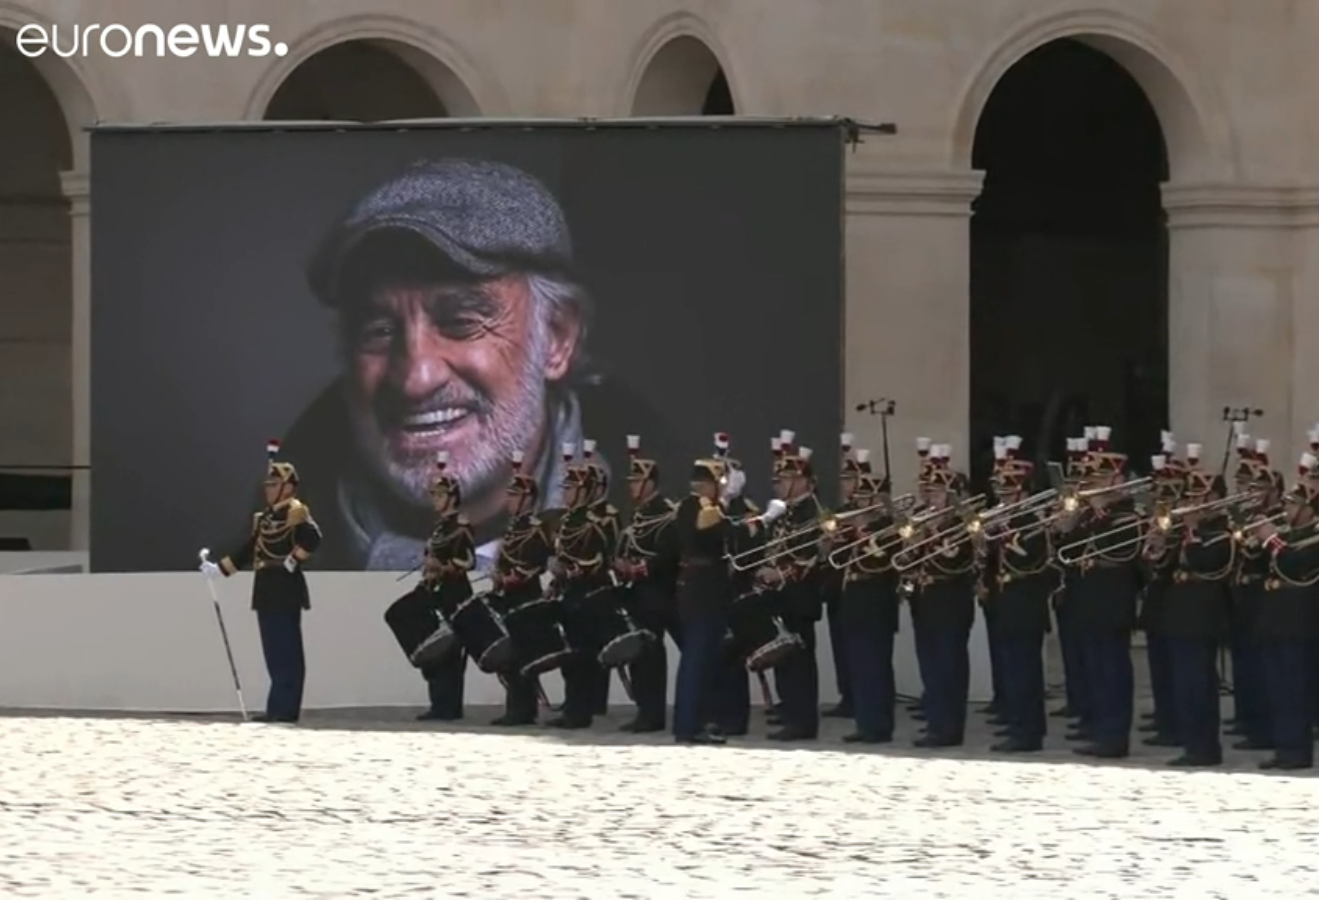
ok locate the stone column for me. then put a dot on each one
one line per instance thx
(907, 333)
(1233, 337)
(77, 188)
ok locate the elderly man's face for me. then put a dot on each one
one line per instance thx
(462, 367)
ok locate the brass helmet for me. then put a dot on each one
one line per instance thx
(278, 472)
(445, 485)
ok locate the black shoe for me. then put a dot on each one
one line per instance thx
(990, 709)
(859, 738)
(1286, 765)
(999, 721)
(841, 711)
(569, 723)
(1018, 745)
(1062, 713)
(918, 715)
(275, 720)
(934, 742)
(1078, 734)
(1252, 744)
(510, 720)
(1195, 761)
(1003, 732)
(703, 739)
(439, 715)
(1161, 740)
(773, 718)
(643, 726)
(1103, 751)
(1236, 730)
(792, 733)
(738, 729)
(1147, 728)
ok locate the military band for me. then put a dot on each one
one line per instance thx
(1210, 564)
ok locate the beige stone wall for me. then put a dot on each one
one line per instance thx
(1232, 84)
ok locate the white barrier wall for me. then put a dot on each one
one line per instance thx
(151, 643)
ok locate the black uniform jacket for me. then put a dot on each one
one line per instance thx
(584, 546)
(703, 533)
(450, 558)
(1289, 606)
(1024, 577)
(801, 595)
(650, 541)
(1102, 592)
(1198, 600)
(1157, 563)
(278, 532)
(945, 597)
(524, 555)
(870, 583)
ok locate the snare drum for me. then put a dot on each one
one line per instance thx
(483, 635)
(538, 636)
(420, 630)
(774, 644)
(621, 641)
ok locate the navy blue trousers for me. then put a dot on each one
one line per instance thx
(838, 646)
(445, 681)
(1195, 691)
(732, 703)
(699, 670)
(1075, 682)
(1286, 678)
(995, 648)
(286, 664)
(1159, 657)
(870, 673)
(1250, 704)
(650, 672)
(798, 680)
(949, 668)
(1021, 665)
(1106, 662)
(921, 644)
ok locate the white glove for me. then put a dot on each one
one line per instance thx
(291, 564)
(210, 569)
(737, 481)
(775, 509)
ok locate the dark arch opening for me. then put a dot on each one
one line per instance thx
(1069, 258)
(719, 97)
(356, 81)
(36, 309)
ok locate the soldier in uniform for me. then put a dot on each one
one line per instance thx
(868, 609)
(1250, 708)
(1019, 553)
(704, 533)
(446, 572)
(1102, 595)
(732, 703)
(942, 597)
(849, 473)
(1197, 609)
(794, 579)
(524, 555)
(1158, 562)
(1069, 639)
(1288, 617)
(584, 550)
(647, 563)
(283, 538)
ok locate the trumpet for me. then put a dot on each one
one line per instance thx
(935, 544)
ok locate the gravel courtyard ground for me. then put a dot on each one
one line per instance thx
(367, 803)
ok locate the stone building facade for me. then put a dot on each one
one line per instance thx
(1228, 82)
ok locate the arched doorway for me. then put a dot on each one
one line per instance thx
(1069, 257)
(36, 309)
(684, 78)
(364, 81)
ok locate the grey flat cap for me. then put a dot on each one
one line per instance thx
(488, 218)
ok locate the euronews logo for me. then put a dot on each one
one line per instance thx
(118, 41)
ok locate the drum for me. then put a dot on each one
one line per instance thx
(621, 641)
(773, 643)
(482, 633)
(538, 636)
(420, 630)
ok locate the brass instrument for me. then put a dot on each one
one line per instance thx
(1071, 500)
(978, 525)
(793, 542)
(1074, 554)
(1238, 501)
(1242, 533)
(886, 539)
(968, 526)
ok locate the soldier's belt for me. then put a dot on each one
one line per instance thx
(1245, 580)
(1181, 577)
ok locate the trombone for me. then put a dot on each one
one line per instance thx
(969, 526)
(885, 539)
(1071, 500)
(1082, 551)
(1241, 534)
(793, 542)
